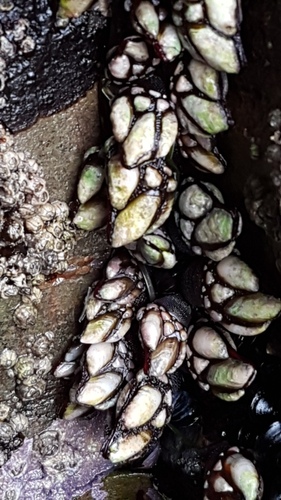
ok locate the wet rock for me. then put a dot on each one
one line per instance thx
(46, 65)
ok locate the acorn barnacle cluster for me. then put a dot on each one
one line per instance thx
(24, 378)
(36, 234)
(15, 37)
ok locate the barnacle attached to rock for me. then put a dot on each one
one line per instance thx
(209, 31)
(8, 358)
(163, 333)
(149, 18)
(141, 198)
(155, 249)
(103, 358)
(213, 360)
(201, 223)
(103, 369)
(107, 366)
(143, 409)
(198, 92)
(92, 175)
(94, 209)
(229, 292)
(36, 234)
(233, 476)
(143, 122)
(131, 60)
(111, 306)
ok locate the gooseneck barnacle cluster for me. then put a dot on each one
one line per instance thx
(163, 101)
(167, 89)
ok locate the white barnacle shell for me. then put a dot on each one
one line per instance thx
(147, 18)
(99, 388)
(25, 315)
(121, 116)
(151, 327)
(244, 475)
(194, 202)
(139, 143)
(98, 356)
(163, 359)
(209, 344)
(131, 446)
(142, 407)
(122, 182)
(237, 274)
(8, 358)
(19, 422)
(217, 50)
(24, 367)
(132, 222)
(223, 15)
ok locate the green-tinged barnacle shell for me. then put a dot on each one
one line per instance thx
(98, 356)
(90, 182)
(74, 410)
(121, 116)
(127, 447)
(220, 293)
(166, 209)
(73, 8)
(140, 141)
(217, 50)
(132, 222)
(209, 344)
(99, 388)
(244, 475)
(136, 48)
(194, 13)
(121, 182)
(248, 331)
(142, 407)
(223, 15)
(194, 202)
(205, 78)
(157, 250)
(164, 357)
(237, 274)
(169, 42)
(206, 160)
(147, 18)
(216, 227)
(210, 116)
(254, 308)
(142, 103)
(93, 214)
(230, 374)
(98, 329)
(169, 131)
(113, 289)
(228, 396)
(102, 328)
(233, 476)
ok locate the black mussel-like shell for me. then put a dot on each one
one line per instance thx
(176, 306)
(191, 282)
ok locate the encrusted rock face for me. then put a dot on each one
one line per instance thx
(71, 51)
(58, 462)
(30, 397)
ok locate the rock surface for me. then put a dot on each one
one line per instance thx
(58, 143)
